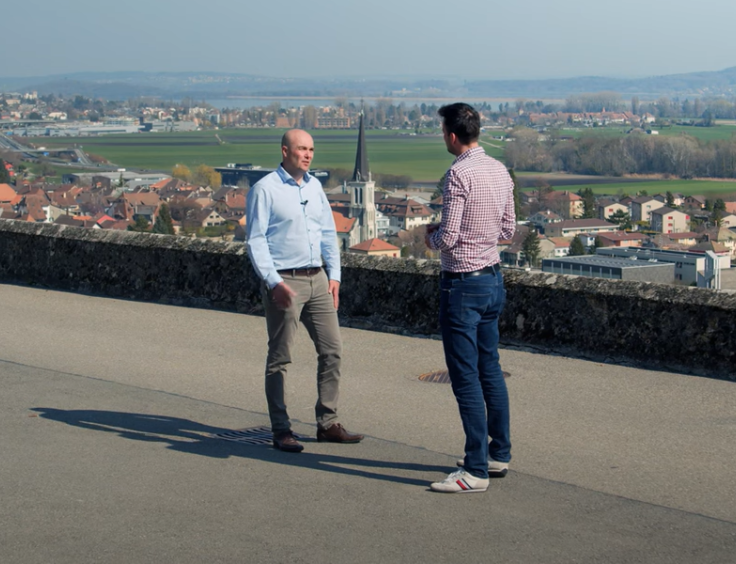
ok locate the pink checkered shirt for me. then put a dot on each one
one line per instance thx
(477, 211)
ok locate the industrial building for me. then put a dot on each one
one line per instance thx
(598, 266)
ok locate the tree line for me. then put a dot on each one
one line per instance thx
(636, 153)
(661, 108)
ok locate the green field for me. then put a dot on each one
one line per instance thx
(423, 157)
(707, 188)
(720, 131)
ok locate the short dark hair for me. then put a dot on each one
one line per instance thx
(462, 120)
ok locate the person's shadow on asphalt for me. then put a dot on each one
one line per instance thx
(188, 436)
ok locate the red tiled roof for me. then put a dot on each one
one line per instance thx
(622, 236)
(343, 224)
(102, 218)
(142, 198)
(562, 195)
(7, 193)
(582, 223)
(560, 241)
(374, 245)
(688, 235)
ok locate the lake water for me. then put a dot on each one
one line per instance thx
(317, 101)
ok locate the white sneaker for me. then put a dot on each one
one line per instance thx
(495, 469)
(460, 482)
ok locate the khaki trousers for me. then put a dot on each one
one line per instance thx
(313, 306)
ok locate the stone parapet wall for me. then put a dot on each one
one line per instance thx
(662, 326)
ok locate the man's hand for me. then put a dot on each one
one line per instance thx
(334, 289)
(431, 228)
(281, 295)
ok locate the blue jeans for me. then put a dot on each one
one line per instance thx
(469, 312)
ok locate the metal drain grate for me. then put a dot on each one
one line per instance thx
(252, 436)
(436, 377)
(443, 377)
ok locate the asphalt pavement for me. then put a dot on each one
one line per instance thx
(113, 414)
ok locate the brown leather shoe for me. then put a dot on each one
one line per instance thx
(337, 434)
(286, 441)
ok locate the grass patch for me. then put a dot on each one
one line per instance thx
(422, 157)
(703, 133)
(714, 188)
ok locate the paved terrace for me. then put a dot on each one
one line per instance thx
(108, 408)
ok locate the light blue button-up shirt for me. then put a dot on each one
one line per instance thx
(290, 225)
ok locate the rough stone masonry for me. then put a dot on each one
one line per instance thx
(659, 326)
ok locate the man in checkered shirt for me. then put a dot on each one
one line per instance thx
(477, 211)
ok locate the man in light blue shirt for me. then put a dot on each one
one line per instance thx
(290, 231)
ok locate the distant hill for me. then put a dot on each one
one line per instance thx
(122, 85)
(696, 84)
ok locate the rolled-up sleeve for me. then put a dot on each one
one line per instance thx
(508, 220)
(454, 197)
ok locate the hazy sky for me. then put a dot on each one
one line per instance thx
(411, 38)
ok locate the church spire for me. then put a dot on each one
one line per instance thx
(361, 172)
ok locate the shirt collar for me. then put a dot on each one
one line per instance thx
(469, 154)
(287, 179)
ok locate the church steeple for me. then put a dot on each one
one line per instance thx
(361, 172)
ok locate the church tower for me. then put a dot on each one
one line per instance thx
(362, 190)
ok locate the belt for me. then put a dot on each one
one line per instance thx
(311, 271)
(492, 269)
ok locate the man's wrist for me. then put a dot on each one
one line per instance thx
(273, 282)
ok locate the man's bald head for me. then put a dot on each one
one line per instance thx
(297, 149)
(292, 136)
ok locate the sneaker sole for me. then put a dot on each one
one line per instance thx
(459, 491)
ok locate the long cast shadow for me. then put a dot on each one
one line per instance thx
(184, 435)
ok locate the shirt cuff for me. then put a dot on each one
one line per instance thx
(272, 280)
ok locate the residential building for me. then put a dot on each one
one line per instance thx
(206, 218)
(8, 195)
(621, 239)
(573, 227)
(606, 208)
(720, 250)
(512, 254)
(566, 204)
(347, 230)
(404, 214)
(543, 218)
(667, 220)
(561, 245)
(642, 207)
(376, 247)
(686, 239)
(724, 236)
(697, 202)
(728, 220)
(383, 224)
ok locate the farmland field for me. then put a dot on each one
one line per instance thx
(709, 188)
(422, 157)
(721, 131)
